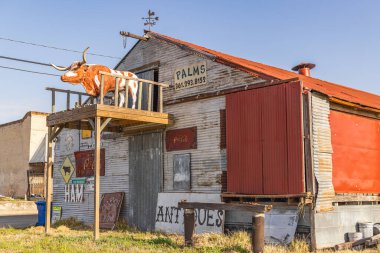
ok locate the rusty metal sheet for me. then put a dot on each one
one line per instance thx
(356, 151)
(110, 209)
(181, 139)
(84, 161)
(264, 140)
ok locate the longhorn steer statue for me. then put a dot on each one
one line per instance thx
(88, 75)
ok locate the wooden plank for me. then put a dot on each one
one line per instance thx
(97, 178)
(161, 97)
(139, 99)
(254, 208)
(72, 115)
(117, 91)
(150, 97)
(134, 79)
(101, 89)
(49, 179)
(105, 123)
(68, 101)
(233, 195)
(53, 101)
(356, 198)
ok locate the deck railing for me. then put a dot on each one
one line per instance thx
(101, 99)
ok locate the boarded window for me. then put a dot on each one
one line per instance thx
(356, 151)
(181, 172)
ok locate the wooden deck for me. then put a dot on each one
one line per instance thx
(120, 118)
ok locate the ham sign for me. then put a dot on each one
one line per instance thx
(169, 218)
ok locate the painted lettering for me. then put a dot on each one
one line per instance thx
(196, 70)
(209, 218)
(183, 73)
(201, 222)
(178, 73)
(168, 215)
(218, 221)
(203, 69)
(188, 72)
(160, 214)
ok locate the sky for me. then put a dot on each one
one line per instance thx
(342, 37)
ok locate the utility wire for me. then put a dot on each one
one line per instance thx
(22, 60)
(29, 71)
(56, 48)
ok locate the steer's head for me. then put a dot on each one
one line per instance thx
(75, 72)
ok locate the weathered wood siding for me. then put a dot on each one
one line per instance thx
(115, 179)
(219, 76)
(208, 160)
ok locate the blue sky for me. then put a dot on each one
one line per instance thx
(341, 37)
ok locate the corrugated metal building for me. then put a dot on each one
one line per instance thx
(269, 133)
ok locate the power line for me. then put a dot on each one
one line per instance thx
(22, 60)
(56, 48)
(29, 71)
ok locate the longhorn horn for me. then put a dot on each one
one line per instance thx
(84, 56)
(60, 68)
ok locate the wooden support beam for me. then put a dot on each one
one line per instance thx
(97, 178)
(128, 34)
(49, 180)
(117, 92)
(79, 99)
(139, 99)
(104, 124)
(91, 123)
(253, 208)
(53, 101)
(258, 233)
(150, 97)
(189, 222)
(55, 131)
(161, 97)
(101, 89)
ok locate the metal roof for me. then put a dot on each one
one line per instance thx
(270, 72)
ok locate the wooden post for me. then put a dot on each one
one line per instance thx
(101, 89)
(126, 94)
(161, 100)
(140, 96)
(68, 101)
(49, 179)
(149, 97)
(189, 227)
(53, 101)
(258, 233)
(117, 92)
(97, 178)
(79, 99)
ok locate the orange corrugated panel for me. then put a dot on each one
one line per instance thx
(270, 72)
(264, 140)
(356, 153)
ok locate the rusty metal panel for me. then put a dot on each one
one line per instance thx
(275, 171)
(110, 209)
(244, 142)
(181, 139)
(84, 161)
(356, 145)
(264, 140)
(296, 180)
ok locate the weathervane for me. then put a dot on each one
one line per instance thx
(151, 19)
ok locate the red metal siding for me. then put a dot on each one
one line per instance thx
(356, 153)
(264, 140)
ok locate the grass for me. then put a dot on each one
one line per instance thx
(73, 236)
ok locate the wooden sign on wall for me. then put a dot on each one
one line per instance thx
(85, 163)
(110, 209)
(181, 139)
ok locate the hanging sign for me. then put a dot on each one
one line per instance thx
(67, 170)
(190, 76)
(85, 164)
(181, 139)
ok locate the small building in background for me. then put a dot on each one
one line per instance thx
(22, 156)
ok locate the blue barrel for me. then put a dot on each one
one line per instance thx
(41, 207)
